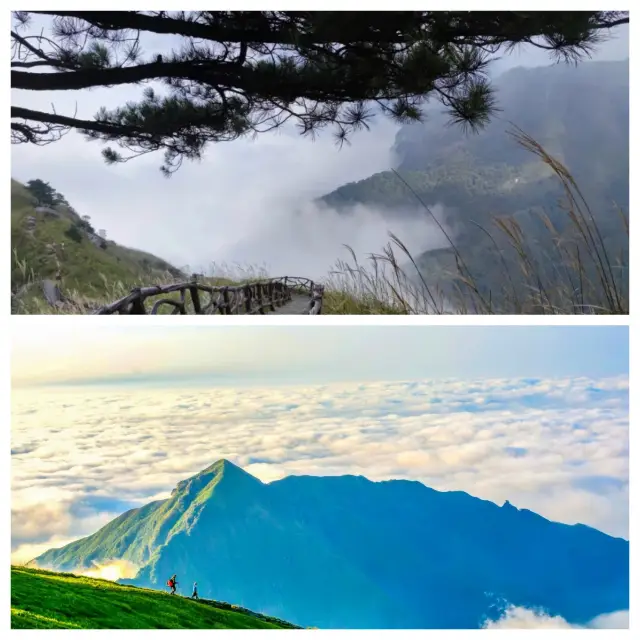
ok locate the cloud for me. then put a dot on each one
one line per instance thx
(112, 570)
(615, 620)
(83, 456)
(25, 552)
(247, 201)
(40, 522)
(523, 618)
(308, 240)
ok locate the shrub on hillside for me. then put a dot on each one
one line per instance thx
(74, 233)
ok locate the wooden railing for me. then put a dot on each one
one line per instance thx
(260, 297)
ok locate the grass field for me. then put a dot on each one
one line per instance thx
(46, 600)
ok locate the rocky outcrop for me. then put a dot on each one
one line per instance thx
(30, 224)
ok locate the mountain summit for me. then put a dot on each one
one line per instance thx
(211, 477)
(342, 551)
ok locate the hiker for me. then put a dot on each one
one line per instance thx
(194, 595)
(172, 583)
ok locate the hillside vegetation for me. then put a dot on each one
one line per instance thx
(47, 600)
(50, 242)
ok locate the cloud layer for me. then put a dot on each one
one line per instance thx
(558, 447)
(247, 201)
(522, 618)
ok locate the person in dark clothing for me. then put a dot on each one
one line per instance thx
(194, 595)
(173, 583)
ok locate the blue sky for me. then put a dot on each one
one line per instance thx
(75, 353)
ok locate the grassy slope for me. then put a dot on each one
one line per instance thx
(85, 268)
(46, 600)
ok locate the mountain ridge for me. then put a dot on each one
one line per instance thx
(297, 547)
(579, 116)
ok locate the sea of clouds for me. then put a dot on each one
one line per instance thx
(557, 447)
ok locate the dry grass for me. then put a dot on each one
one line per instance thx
(586, 278)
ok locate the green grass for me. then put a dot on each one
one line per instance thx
(47, 600)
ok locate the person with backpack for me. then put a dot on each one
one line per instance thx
(172, 583)
(194, 595)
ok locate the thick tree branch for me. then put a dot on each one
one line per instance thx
(209, 73)
(65, 121)
(249, 33)
(239, 71)
(87, 78)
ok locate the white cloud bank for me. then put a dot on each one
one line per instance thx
(556, 447)
(523, 618)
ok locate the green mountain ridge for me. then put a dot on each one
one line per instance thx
(346, 552)
(46, 600)
(138, 534)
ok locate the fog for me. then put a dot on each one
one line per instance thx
(248, 202)
(309, 240)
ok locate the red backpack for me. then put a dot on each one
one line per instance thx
(170, 583)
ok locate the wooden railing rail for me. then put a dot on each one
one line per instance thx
(197, 297)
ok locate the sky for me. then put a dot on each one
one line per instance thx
(534, 415)
(248, 203)
(73, 352)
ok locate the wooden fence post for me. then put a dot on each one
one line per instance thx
(195, 298)
(225, 297)
(271, 295)
(247, 299)
(260, 301)
(137, 304)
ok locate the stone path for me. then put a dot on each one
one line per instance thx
(298, 305)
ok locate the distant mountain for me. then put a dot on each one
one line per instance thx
(579, 114)
(345, 552)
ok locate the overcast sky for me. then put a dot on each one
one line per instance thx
(247, 202)
(535, 415)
